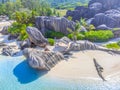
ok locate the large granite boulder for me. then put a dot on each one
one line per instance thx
(80, 12)
(110, 18)
(97, 7)
(42, 60)
(107, 4)
(58, 24)
(36, 36)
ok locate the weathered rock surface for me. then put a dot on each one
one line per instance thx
(116, 33)
(103, 27)
(5, 30)
(65, 45)
(8, 51)
(12, 37)
(110, 18)
(80, 46)
(36, 36)
(25, 44)
(80, 12)
(58, 24)
(42, 60)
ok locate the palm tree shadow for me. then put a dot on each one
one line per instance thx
(26, 74)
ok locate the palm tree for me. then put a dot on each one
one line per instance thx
(76, 31)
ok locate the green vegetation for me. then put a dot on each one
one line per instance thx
(19, 29)
(24, 12)
(113, 46)
(23, 19)
(79, 36)
(99, 36)
(118, 43)
(69, 18)
(88, 27)
(51, 41)
(60, 12)
(75, 32)
(41, 7)
(53, 34)
(68, 4)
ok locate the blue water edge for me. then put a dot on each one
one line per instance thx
(15, 74)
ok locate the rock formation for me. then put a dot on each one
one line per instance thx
(42, 60)
(80, 46)
(58, 24)
(4, 31)
(36, 36)
(8, 51)
(25, 44)
(99, 69)
(110, 18)
(99, 12)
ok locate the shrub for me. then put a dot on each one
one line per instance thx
(79, 36)
(53, 34)
(51, 41)
(19, 29)
(113, 46)
(118, 43)
(99, 36)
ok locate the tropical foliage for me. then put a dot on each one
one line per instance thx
(113, 46)
(53, 34)
(99, 36)
(51, 41)
(75, 32)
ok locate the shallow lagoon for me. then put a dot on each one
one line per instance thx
(15, 74)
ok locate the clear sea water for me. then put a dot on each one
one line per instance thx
(15, 74)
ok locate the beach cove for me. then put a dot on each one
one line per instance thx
(76, 73)
(15, 74)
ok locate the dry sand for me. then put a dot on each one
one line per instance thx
(81, 65)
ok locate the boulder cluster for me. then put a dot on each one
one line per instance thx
(103, 14)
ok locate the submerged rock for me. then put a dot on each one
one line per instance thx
(42, 60)
(36, 36)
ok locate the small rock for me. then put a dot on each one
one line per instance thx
(8, 51)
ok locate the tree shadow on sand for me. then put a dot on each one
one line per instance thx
(26, 74)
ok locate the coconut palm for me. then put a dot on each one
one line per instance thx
(76, 30)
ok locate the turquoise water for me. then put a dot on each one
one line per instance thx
(15, 74)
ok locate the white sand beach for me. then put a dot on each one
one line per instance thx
(81, 65)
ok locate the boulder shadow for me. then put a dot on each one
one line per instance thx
(25, 74)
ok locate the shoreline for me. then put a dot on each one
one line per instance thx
(85, 69)
(81, 64)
